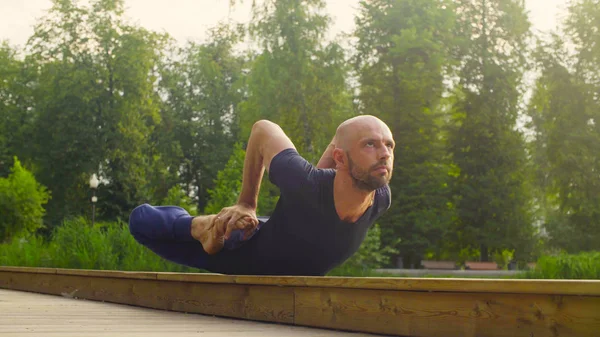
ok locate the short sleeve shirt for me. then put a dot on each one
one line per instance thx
(304, 235)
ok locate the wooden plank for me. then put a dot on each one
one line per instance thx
(109, 273)
(516, 286)
(559, 287)
(28, 270)
(27, 314)
(262, 303)
(413, 307)
(448, 314)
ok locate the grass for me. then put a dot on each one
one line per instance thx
(109, 246)
(585, 265)
(78, 245)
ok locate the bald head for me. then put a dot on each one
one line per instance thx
(352, 129)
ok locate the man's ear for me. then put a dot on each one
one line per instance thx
(339, 156)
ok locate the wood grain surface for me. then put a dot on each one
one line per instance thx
(25, 314)
(414, 307)
(516, 286)
(449, 314)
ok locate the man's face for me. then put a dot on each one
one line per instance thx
(370, 161)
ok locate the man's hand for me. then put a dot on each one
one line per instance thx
(228, 218)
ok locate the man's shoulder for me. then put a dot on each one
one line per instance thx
(384, 197)
(290, 166)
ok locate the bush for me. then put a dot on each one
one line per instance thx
(176, 196)
(22, 202)
(78, 245)
(584, 265)
(228, 186)
(369, 256)
(30, 251)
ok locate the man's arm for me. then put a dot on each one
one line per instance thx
(326, 160)
(266, 140)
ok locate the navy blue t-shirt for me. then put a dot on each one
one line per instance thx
(304, 235)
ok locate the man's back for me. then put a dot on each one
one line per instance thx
(304, 235)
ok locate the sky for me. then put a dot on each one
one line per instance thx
(190, 19)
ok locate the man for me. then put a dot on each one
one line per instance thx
(320, 220)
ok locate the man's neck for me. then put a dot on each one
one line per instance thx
(350, 202)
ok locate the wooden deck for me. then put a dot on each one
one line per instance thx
(415, 307)
(26, 314)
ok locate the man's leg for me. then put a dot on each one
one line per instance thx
(172, 233)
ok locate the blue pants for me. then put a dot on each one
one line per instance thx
(166, 230)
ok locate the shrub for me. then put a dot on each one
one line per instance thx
(22, 201)
(25, 251)
(228, 186)
(369, 256)
(585, 265)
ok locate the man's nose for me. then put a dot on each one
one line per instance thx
(385, 152)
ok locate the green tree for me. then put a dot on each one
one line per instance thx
(402, 55)
(564, 111)
(296, 80)
(491, 190)
(15, 112)
(203, 87)
(96, 87)
(22, 201)
(228, 186)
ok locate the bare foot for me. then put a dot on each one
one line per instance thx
(205, 231)
(211, 236)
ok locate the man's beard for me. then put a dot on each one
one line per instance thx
(363, 180)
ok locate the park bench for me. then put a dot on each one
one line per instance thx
(472, 265)
(445, 265)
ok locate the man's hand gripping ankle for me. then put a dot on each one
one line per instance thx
(239, 217)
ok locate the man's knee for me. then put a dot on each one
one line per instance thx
(137, 222)
(267, 126)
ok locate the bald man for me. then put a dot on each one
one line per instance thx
(321, 219)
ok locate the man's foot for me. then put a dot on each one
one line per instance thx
(205, 231)
(211, 236)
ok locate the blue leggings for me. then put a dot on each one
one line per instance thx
(166, 230)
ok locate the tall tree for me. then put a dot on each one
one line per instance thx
(403, 48)
(491, 193)
(10, 108)
(564, 111)
(202, 93)
(96, 88)
(296, 80)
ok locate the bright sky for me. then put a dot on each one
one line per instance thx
(190, 19)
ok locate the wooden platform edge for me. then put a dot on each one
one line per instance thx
(471, 285)
(336, 303)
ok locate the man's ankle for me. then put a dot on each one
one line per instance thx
(199, 226)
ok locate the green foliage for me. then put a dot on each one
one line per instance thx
(504, 257)
(176, 196)
(25, 251)
(22, 201)
(296, 80)
(403, 47)
(585, 265)
(203, 85)
(491, 192)
(94, 93)
(370, 255)
(78, 245)
(94, 82)
(11, 104)
(228, 186)
(564, 112)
